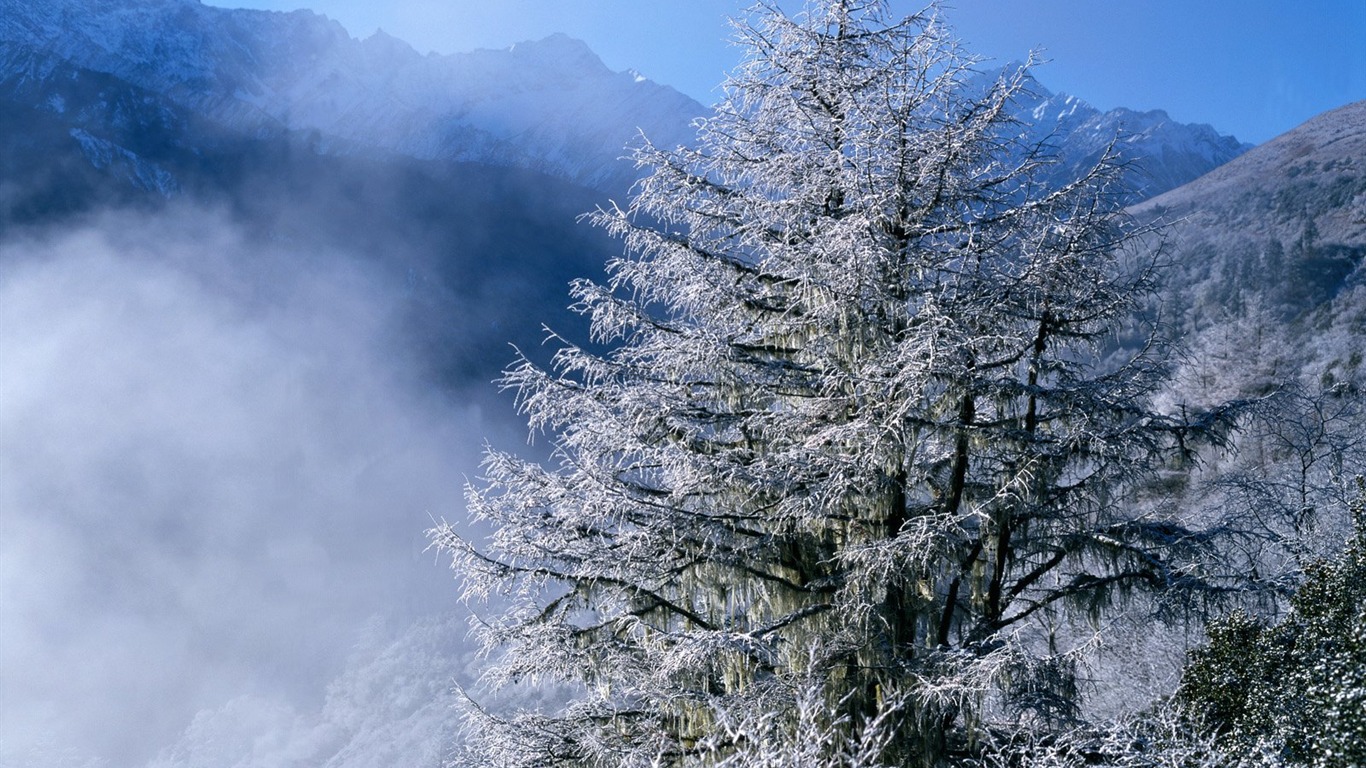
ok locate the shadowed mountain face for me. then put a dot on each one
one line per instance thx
(461, 175)
(486, 254)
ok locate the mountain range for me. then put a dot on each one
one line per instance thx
(549, 105)
(1163, 153)
(142, 87)
(311, 136)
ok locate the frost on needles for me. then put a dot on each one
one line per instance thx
(850, 458)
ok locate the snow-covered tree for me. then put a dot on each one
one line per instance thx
(1286, 483)
(848, 459)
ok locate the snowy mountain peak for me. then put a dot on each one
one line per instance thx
(549, 105)
(379, 39)
(1165, 153)
(559, 50)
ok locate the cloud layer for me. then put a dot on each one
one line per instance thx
(216, 463)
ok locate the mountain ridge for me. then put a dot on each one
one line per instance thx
(1162, 153)
(1333, 142)
(549, 105)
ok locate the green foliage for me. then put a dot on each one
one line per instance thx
(1297, 687)
(1222, 674)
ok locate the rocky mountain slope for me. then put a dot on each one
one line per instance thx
(1312, 178)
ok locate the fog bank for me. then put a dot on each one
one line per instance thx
(217, 460)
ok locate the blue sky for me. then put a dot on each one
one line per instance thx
(1253, 68)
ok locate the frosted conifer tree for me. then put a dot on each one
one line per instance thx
(848, 448)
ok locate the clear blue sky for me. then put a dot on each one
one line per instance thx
(1253, 68)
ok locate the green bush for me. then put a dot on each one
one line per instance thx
(1297, 687)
